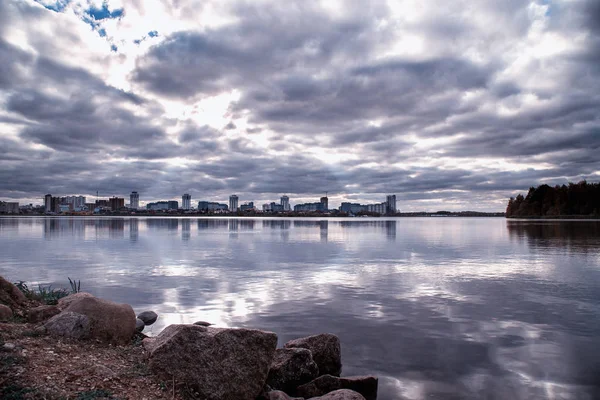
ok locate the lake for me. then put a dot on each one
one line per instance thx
(438, 308)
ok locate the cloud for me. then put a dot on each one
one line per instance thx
(448, 106)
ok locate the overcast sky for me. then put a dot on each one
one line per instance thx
(452, 105)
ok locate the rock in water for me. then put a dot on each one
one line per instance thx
(149, 317)
(5, 313)
(66, 301)
(139, 325)
(10, 295)
(342, 394)
(41, 313)
(365, 385)
(109, 322)
(202, 323)
(69, 325)
(218, 363)
(291, 368)
(326, 351)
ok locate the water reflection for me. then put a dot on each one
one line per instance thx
(438, 308)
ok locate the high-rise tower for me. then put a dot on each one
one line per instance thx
(186, 201)
(233, 203)
(391, 204)
(134, 200)
(285, 203)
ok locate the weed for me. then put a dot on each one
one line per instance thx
(75, 285)
(46, 294)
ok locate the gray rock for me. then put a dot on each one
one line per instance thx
(149, 317)
(365, 385)
(202, 323)
(219, 364)
(9, 346)
(326, 351)
(5, 313)
(291, 368)
(41, 313)
(342, 394)
(11, 296)
(139, 325)
(109, 322)
(69, 325)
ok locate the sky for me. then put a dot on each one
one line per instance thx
(453, 105)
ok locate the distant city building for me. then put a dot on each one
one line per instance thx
(272, 207)
(163, 205)
(134, 200)
(233, 203)
(325, 203)
(285, 203)
(211, 206)
(247, 207)
(75, 202)
(186, 201)
(116, 203)
(352, 208)
(65, 208)
(8, 207)
(379, 208)
(48, 203)
(391, 204)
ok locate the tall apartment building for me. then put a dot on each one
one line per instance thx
(186, 201)
(48, 203)
(325, 203)
(134, 200)
(233, 203)
(391, 203)
(116, 203)
(285, 203)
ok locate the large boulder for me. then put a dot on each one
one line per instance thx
(5, 313)
(365, 385)
(342, 394)
(291, 368)
(326, 351)
(217, 363)
(41, 313)
(66, 301)
(69, 325)
(109, 322)
(10, 295)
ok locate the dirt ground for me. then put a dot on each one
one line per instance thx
(43, 367)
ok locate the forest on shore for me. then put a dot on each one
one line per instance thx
(574, 199)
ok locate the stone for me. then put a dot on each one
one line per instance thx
(41, 313)
(139, 325)
(70, 325)
(66, 301)
(291, 368)
(217, 363)
(149, 317)
(9, 346)
(279, 395)
(341, 394)
(202, 323)
(10, 295)
(365, 385)
(326, 351)
(5, 313)
(109, 322)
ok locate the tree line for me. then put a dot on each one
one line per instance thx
(574, 199)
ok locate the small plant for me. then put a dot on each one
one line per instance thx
(75, 285)
(44, 294)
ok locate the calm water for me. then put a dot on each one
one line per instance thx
(438, 308)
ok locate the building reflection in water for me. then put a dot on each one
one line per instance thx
(212, 224)
(133, 229)
(323, 230)
(185, 229)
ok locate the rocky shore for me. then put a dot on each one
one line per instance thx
(85, 347)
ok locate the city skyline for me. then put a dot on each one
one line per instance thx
(450, 105)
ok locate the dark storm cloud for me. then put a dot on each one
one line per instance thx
(420, 125)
